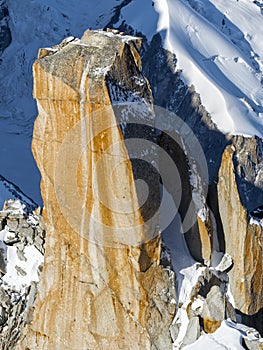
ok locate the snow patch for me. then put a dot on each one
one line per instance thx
(101, 71)
(224, 338)
(20, 274)
(255, 221)
(227, 337)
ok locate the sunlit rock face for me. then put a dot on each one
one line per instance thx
(102, 285)
(243, 234)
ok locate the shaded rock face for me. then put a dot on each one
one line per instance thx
(159, 65)
(248, 162)
(170, 92)
(213, 310)
(99, 289)
(243, 236)
(5, 33)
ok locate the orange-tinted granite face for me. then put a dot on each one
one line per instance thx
(102, 285)
(243, 241)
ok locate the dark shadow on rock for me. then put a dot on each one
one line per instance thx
(170, 92)
(144, 170)
(255, 321)
(180, 189)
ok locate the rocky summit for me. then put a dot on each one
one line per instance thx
(147, 233)
(118, 272)
(102, 284)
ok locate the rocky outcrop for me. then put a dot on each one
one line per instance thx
(22, 244)
(206, 305)
(102, 284)
(243, 236)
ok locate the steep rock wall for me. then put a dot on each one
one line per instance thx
(243, 239)
(99, 289)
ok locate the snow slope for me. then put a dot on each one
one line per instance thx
(13, 278)
(219, 48)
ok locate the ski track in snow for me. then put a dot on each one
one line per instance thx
(220, 52)
(226, 73)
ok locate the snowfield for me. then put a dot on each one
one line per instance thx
(219, 49)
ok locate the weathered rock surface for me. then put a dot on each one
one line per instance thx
(205, 307)
(99, 289)
(193, 331)
(243, 238)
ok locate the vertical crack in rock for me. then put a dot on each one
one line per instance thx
(82, 93)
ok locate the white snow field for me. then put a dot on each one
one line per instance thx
(19, 273)
(219, 47)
